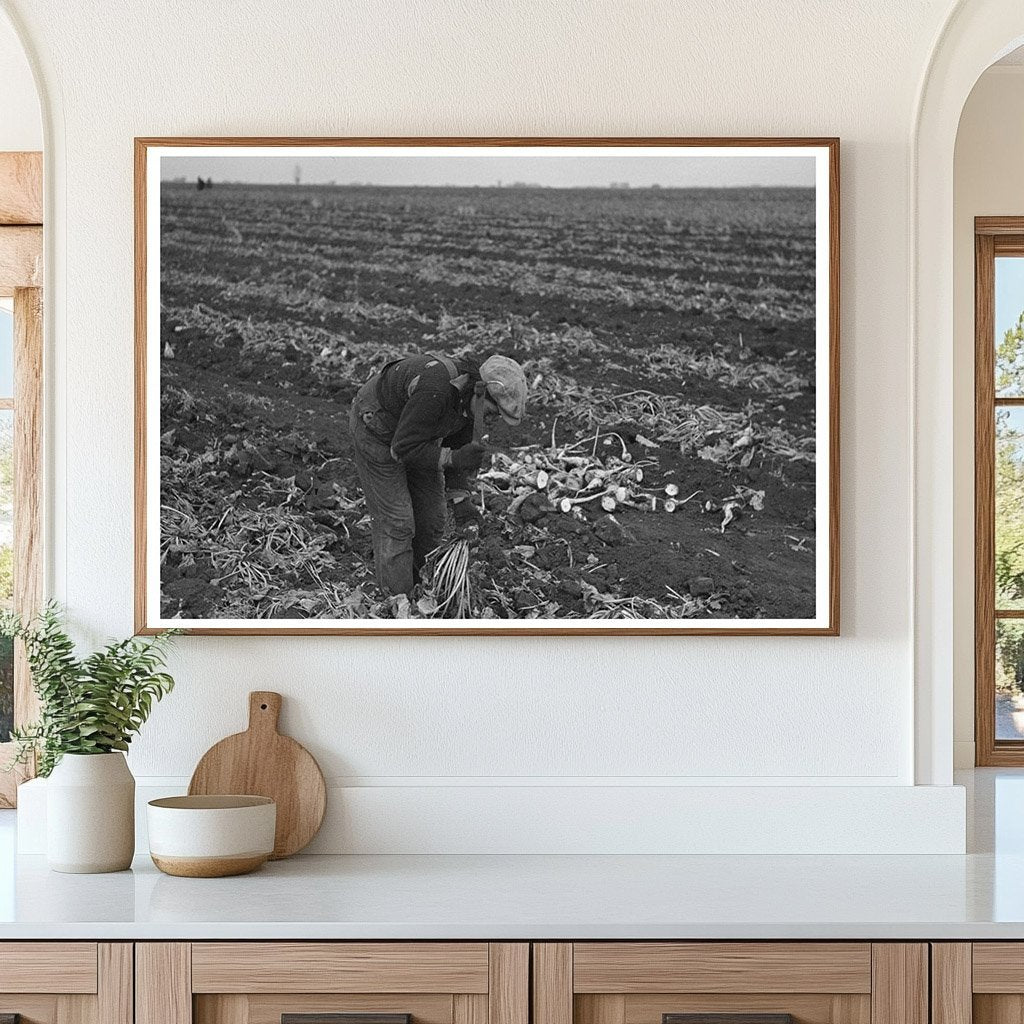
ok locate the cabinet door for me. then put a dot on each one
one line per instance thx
(332, 983)
(65, 983)
(980, 982)
(730, 983)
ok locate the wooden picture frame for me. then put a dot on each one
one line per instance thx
(824, 515)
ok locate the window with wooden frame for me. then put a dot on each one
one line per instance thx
(21, 364)
(999, 490)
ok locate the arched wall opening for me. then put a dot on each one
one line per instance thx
(989, 151)
(976, 34)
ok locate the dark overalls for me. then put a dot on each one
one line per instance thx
(400, 418)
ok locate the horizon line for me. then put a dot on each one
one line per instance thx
(514, 186)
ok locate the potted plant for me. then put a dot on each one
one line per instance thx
(89, 710)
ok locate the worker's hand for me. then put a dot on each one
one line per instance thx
(469, 458)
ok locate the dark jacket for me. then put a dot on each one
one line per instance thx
(427, 399)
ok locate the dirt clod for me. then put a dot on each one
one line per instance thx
(535, 508)
(612, 532)
(551, 555)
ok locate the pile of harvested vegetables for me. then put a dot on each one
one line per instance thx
(571, 479)
(583, 484)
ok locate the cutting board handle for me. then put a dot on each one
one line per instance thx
(264, 710)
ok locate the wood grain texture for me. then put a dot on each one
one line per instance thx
(999, 226)
(65, 967)
(226, 1009)
(346, 1018)
(805, 1008)
(269, 1008)
(831, 143)
(508, 993)
(304, 967)
(851, 1009)
(466, 1009)
(28, 483)
(32, 1009)
(28, 445)
(143, 144)
(998, 967)
(994, 236)
(552, 983)
(1010, 245)
(998, 1009)
(262, 762)
(834, 487)
(951, 983)
(208, 867)
(899, 989)
(21, 188)
(28, 503)
(21, 259)
(599, 1009)
(984, 502)
(76, 1009)
(115, 989)
(727, 1018)
(139, 414)
(632, 967)
(163, 983)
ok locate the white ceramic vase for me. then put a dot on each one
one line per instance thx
(90, 814)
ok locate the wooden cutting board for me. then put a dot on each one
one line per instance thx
(262, 762)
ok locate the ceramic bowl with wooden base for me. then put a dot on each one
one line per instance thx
(211, 836)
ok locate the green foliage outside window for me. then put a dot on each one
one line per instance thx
(1009, 509)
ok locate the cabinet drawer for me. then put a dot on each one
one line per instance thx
(340, 967)
(66, 982)
(66, 967)
(332, 983)
(730, 983)
(634, 967)
(998, 967)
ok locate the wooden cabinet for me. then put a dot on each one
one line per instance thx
(307, 982)
(66, 982)
(978, 983)
(755, 982)
(494, 983)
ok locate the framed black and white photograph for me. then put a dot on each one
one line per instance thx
(487, 385)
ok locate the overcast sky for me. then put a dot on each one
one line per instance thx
(690, 171)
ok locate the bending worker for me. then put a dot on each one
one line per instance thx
(409, 423)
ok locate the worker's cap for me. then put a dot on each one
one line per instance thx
(506, 385)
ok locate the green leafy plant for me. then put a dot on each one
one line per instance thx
(90, 705)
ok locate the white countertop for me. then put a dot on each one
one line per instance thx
(977, 896)
(496, 897)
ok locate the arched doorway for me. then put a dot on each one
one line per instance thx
(976, 34)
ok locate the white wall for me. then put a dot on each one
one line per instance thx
(987, 181)
(446, 713)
